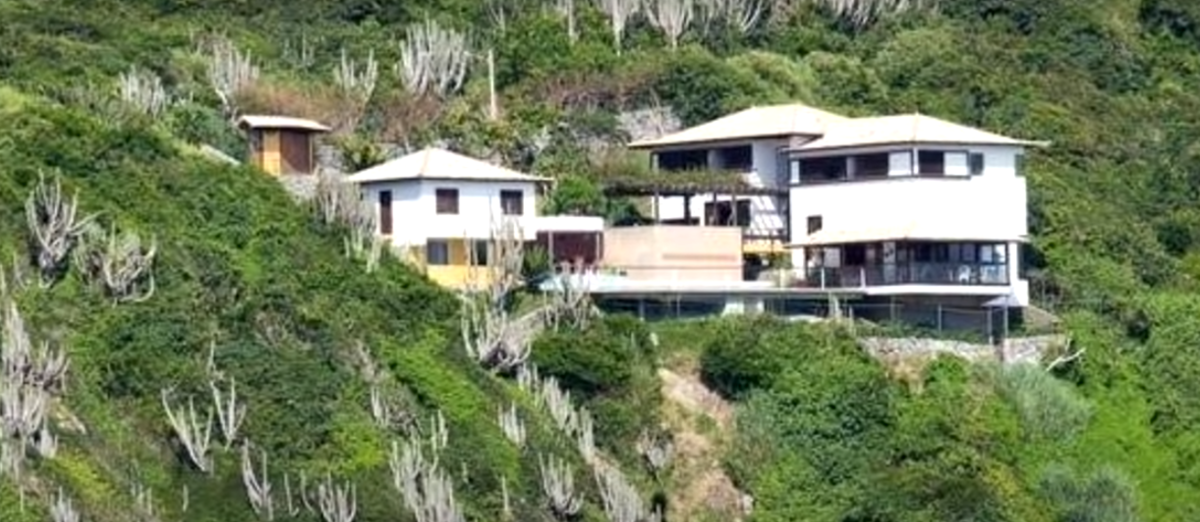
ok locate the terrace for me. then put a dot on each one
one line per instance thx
(978, 264)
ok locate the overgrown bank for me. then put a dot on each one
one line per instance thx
(311, 378)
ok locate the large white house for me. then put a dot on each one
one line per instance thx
(905, 206)
(442, 208)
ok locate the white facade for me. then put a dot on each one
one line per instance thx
(899, 205)
(768, 170)
(415, 218)
(955, 205)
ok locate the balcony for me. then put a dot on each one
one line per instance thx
(942, 274)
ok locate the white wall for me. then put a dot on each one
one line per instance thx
(992, 205)
(989, 206)
(980, 207)
(766, 214)
(414, 209)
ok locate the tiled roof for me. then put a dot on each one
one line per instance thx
(755, 122)
(828, 130)
(441, 164)
(906, 128)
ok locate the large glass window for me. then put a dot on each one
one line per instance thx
(673, 160)
(727, 213)
(735, 158)
(816, 170)
(871, 165)
(931, 162)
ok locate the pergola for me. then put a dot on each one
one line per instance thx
(686, 185)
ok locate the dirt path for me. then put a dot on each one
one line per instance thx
(700, 420)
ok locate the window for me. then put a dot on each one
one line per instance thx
(929, 252)
(993, 254)
(975, 163)
(931, 162)
(722, 213)
(437, 252)
(854, 255)
(512, 202)
(385, 212)
(814, 224)
(871, 165)
(447, 201)
(735, 158)
(256, 141)
(682, 160)
(823, 169)
(480, 253)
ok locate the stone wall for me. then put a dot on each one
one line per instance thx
(1012, 351)
(301, 187)
(648, 124)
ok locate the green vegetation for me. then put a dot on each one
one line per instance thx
(253, 289)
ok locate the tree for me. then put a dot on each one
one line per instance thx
(671, 17)
(619, 13)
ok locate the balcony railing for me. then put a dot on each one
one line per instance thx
(959, 274)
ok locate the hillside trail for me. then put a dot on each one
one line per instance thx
(700, 421)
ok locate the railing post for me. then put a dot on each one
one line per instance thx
(862, 276)
(822, 272)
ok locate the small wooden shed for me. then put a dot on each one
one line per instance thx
(281, 144)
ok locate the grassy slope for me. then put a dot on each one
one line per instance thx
(244, 268)
(1107, 86)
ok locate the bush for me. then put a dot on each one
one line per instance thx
(609, 368)
(746, 354)
(598, 361)
(1049, 409)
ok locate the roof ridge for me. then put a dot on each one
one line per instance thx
(425, 156)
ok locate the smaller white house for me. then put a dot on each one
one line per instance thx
(441, 208)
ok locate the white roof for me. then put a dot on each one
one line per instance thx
(280, 122)
(939, 230)
(831, 131)
(906, 128)
(564, 223)
(441, 164)
(755, 122)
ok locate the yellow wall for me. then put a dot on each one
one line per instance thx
(458, 276)
(763, 246)
(272, 160)
(458, 273)
(458, 252)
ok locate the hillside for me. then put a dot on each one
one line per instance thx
(251, 296)
(341, 367)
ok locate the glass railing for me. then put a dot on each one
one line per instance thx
(908, 274)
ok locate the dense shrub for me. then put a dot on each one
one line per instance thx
(610, 366)
(600, 360)
(744, 354)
